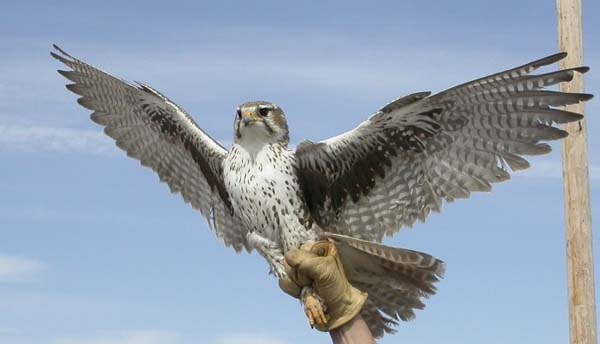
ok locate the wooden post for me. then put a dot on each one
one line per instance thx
(580, 264)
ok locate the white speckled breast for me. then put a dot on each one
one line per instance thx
(264, 192)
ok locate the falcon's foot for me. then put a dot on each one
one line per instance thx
(276, 266)
(314, 307)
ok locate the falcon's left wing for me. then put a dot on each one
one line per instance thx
(416, 152)
(161, 135)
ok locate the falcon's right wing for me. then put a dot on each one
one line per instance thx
(158, 133)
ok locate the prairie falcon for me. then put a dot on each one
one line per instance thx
(395, 168)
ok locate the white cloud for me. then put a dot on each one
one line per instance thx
(48, 139)
(18, 269)
(135, 337)
(249, 338)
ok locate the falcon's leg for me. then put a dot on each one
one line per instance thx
(270, 250)
(314, 306)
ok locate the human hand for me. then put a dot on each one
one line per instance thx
(318, 265)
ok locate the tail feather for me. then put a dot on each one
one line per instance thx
(396, 304)
(378, 324)
(396, 280)
(405, 257)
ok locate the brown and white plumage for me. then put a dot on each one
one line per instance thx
(421, 150)
(396, 167)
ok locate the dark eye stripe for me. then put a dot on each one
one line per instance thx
(239, 113)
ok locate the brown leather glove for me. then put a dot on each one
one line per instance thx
(318, 265)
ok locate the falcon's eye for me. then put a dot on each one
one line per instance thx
(264, 111)
(239, 113)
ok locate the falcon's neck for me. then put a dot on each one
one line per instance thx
(256, 148)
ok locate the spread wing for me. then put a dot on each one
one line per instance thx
(162, 136)
(421, 150)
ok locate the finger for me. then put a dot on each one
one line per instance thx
(318, 269)
(290, 287)
(288, 269)
(294, 257)
(292, 275)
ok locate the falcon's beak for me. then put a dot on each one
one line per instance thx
(249, 117)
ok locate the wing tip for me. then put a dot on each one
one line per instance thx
(556, 57)
(64, 58)
(59, 57)
(548, 60)
(584, 97)
(61, 51)
(560, 55)
(577, 117)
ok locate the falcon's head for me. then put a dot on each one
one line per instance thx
(259, 123)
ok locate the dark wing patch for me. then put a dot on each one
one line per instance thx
(330, 184)
(172, 128)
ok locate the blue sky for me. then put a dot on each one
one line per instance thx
(94, 250)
